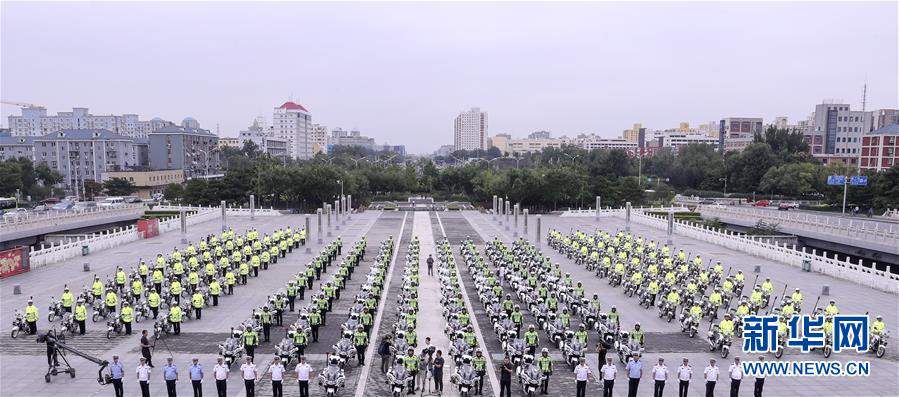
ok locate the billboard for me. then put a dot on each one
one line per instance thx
(14, 261)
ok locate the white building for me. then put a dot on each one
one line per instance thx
(293, 123)
(263, 139)
(34, 121)
(835, 132)
(591, 142)
(675, 140)
(470, 130)
(522, 146)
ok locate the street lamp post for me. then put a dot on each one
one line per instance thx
(725, 185)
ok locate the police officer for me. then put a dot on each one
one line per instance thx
(545, 364)
(127, 316)
(153, 300)
(266, 319)
(80, 315)
(215, 289)
(479, 362)
(67, 299)
(291, 293)
(315, 320)
(531, 339)
(175, 318)
(300, 340)
(198, 302)
(250, 341)
(360, 340)
(31, 315)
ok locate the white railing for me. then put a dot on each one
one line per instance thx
(231, 211)
(609, 211)
(836, 226)
(54, 253)
(846, 270)
(34, 220)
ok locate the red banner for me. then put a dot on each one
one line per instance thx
(14, 261)
(148, 228)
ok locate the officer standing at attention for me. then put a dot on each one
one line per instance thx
(31, 314)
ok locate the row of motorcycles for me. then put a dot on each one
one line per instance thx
(134, 287)
(458, 327)
(507, 318)
(673, 282)
(406, 364)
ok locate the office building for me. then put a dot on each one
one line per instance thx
(293, 123)
(633, 134)
(835, 132)
(193, 150)
(470, 130)
(230, 142)
(13, 147)
(83, 155)
(264, 141)
(884, 117)
(148, 183)
(34, 121)
(540, 135)
(880, 149)
(735, 133)
(591, 142)
(341, 137)
(501, 142)
(319, 139)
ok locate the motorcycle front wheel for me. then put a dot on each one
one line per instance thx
(14, 333)
(880, 351)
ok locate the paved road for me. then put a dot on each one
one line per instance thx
(665, 340)
(22, 360)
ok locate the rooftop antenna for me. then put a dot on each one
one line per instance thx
(865, 94)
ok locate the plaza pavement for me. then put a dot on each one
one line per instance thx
(665, 339)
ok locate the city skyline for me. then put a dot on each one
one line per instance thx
(589, 77)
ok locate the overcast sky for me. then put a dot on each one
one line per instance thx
(400, 72)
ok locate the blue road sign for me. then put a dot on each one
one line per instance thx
(858, 180)
(836, 180)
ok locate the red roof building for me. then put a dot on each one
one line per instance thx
(880, 149)
(292, 106)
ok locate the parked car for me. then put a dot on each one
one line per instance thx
(41, 207)
(63, 206)
(85, 205)
(784, 206)
(14, 213)
(761, 203)
(707, 202)
(111, 202)
(50, 201)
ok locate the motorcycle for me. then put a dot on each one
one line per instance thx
(330, 385)
(55, 310)
(231, 351)
(68, 323)
(689, 324)
(100, 311)
(286, 350)
(397, 385)
(878, 344)
(18, 325)
(723, 342)
(114, 325)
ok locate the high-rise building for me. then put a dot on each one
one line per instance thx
(293, 123)
(501, 142)
(34, 121)
(340, 137)
(735, 133)
(884, 118)
(470, 130)
(263, 139)
(193, 150)
(633, 134)
(319, 139)
(835, 132)
(540, 135)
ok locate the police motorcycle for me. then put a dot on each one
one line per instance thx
(350, 324)
(286, 350)
(162, 325)
(18, 324)
(589, 314)
(332, 378)
(625, 347)
(556, 331)
(572, 350)
(515, 348)
(465, 377)
(141, 310)
(99, 311)
(68, 324)
(689, 322)
(398, 377)
(115, 325)
(344, 350)
(55, 310)
(232, 348)
(719, 341)
(530, 376)
(667, 309)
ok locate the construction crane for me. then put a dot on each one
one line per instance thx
(21, 104)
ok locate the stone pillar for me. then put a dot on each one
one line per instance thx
(670, 226)
(525, 221)
(349, 204)
(319, 234)
(515, 215)
(252, 207)
(328, 210)
(627, 215)
(598, 206)
(494, 206)
(537, 235)
(183, 226)
(308, 235)
(500, 213)
(337, 214)
(224, 216)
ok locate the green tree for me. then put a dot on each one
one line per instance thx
(173, 192)
(119, 187)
